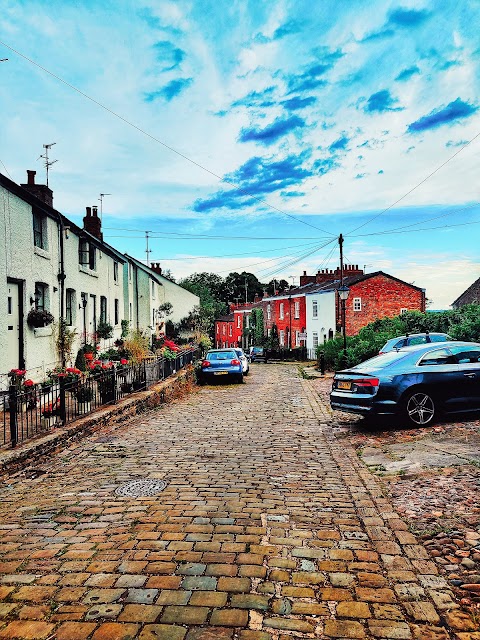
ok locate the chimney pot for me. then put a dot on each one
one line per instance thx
(94, 211)
(304, 273)
(31, 176)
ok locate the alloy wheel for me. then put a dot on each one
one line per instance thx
(420, 408)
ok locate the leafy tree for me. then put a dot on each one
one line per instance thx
(234, 287)
(256, 322)
(277, 285)
(272, 341)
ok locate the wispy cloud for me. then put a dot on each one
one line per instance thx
(272, 132)
(258, 176)
(381, 101)
(169, 55)
(312, 77)
(256, 99)
(453, 112)
(406, 74)
(325, 165)
(296, 103)
(408, 18)
(170, 90)
(453, 143)
(340, 144)
(287, 29)
(399, 19)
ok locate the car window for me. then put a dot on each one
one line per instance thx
(439, 338)
(466, 355)
(379, 361)
(399, 344)
(221, 355)
(417, 340)
(437, 357)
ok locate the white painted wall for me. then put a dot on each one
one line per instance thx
(325, 320)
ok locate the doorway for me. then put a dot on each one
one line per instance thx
(14, 320)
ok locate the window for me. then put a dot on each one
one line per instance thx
(115, 271)
(315, 339)
(281, 311)
(467, 355)
(247, 322)
(438, 357)
(357, 304)
(269, 312)
(69, 306)
(315, 308)
(103, 309)
(9, 306)
(92, 257)
(281, 337)
(218, 328)
(403, 310)
(41, 296)
(130, 313)
(239, 322)
(297, 309)
(83, 252)
(130, 269)
(297, 338)
(229, 328)
(39, 230)
(223, 328)
(153, 289)
(117, 311)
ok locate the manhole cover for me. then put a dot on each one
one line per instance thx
(140, 488)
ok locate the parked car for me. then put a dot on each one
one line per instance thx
(416, 383)
(244, 360)
(413, 339)
(222, 362)
(258, 353)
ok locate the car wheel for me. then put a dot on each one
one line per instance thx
(419, 408)
(246, 372)
(240, 379)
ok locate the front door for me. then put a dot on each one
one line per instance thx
(14, 321)
(92, 312)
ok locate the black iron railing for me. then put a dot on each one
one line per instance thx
(28, 412)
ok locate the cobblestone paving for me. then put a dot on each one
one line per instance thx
(269, 529)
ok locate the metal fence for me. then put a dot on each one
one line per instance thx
(27, 412)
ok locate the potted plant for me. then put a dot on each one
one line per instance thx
(49, 415)
(104, 330)
(105, 376)
(16, 377)
(84, 396)
(37, 318)
(29, 391)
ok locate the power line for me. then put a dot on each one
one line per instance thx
(443, 215)
(198, 236)
(416, 186)
(233, 255)
(444, 226)
(1, 161)
(166, 146)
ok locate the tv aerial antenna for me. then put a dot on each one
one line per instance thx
(48, 163)
(102, 195)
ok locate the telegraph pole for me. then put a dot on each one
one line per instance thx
(340, 243)
(147, 250)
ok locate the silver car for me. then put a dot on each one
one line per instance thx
(244, 360)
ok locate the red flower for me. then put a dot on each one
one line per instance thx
(61, 375)
(97, 347)
(123, 361)
(89, 356)
(28, 383)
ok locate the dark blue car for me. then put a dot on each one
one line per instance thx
(222, 363)
(416, 383)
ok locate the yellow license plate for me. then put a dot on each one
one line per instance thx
(221, 373)
(343, 384)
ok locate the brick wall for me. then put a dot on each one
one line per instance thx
(380, 297)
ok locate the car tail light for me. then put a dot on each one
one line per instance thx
(366, 382)
(380, 353)
(235, 361)
(206, 364)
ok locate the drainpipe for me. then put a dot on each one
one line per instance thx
(61, 276)
(136, 295)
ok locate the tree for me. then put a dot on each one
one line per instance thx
(256, 323)
(242, 286)
(276, 285)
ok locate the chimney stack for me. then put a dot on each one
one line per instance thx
(40, 191)
(92, 223)
(155, 266)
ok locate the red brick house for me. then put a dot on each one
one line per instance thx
(288, 312)
(230, 330)
(224, 332)
(372, 295)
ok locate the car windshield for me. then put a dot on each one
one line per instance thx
(221, 355)
(257, 349)
(378, 362)
(439, 338)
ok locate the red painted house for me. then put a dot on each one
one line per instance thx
(224, 332)
(288, 312)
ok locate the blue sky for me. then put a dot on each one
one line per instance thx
(310, 119)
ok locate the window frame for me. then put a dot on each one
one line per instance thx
(116, 311)
(70, 306)
(103, 309)
(296, 309)
(357, 304)
(314, 308)
(83, 252)
(38, 219)
(315, 342)
(281, 313)
(115, 271)
(281, 337)
(41, 296)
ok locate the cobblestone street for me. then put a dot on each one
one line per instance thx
(269, 528)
